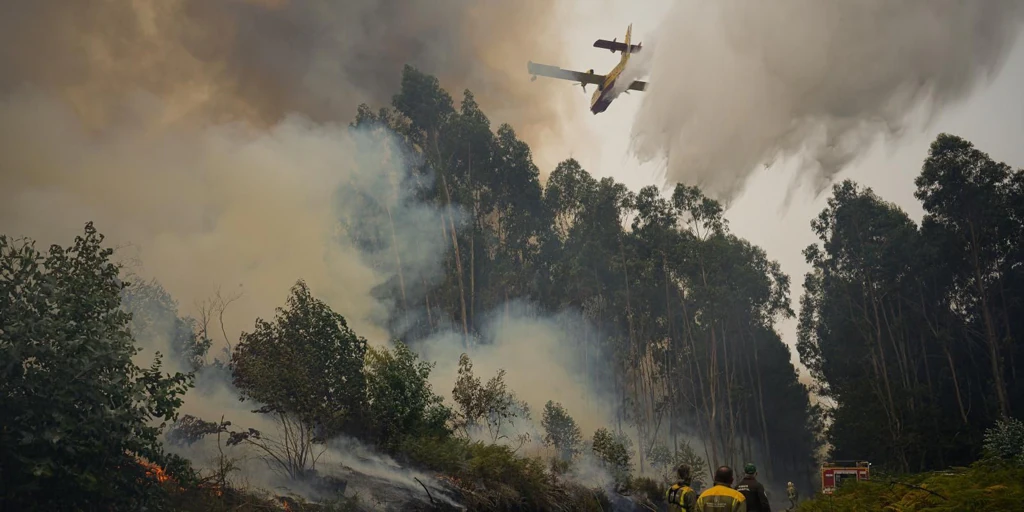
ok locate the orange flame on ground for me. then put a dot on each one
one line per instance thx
(155, 471)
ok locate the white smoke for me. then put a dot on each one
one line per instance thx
(735, 85)
(544, 360)
(637, 67)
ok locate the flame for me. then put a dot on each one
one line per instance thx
(155, 471)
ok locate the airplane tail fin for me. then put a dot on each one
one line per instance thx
(628, 50)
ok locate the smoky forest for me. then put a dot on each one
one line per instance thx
(653, 333)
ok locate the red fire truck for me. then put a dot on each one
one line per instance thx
(836, 472)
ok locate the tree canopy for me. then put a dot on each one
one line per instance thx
(76, 414)
(914, 331)
(911, 333)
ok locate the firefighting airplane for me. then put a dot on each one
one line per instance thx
(603, 96)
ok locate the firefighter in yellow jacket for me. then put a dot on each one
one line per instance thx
(681, 497)
(721, 497)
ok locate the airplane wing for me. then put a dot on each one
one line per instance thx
(564, 74)
(615, 46)
(637, 85)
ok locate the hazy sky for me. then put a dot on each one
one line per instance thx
(993, 118)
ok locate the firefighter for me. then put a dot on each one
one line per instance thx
(721, 497)
(753, 491)
(791, 494)
(681, 497)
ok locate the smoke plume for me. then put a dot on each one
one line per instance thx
(209, 133)
(259, 60)
(737, 85)
(527, 345)
(209, 139)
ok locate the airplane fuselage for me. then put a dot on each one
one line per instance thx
(602, 98)
(606, 92)
(603, 95)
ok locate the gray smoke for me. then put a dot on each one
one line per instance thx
(210, 138)
(260, 60)
(736, 85)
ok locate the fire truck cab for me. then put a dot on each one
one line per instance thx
(835, 472)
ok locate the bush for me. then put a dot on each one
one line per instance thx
(446, 454)
(647, 488)
(511, 482)
(983, 486)
(1005, 441)
(400, 401)
(561, 431)
(76, 413)
(666, 462)
(613, 451)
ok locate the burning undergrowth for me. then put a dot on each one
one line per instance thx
(276, 439)
(227, 217)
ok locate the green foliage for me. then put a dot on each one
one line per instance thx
(647, 489)
(75, 411)
(447, 454)
(400, 401)
(561, 431)
(980, 487)
(679, 313)
(492, 404)
(666, 462)
(1005, 441)
(307, 364)
(306, 370)
(189, 429)
(155, 319)
(520, 483)
(910, 330)
(613, 450)
(913, 330)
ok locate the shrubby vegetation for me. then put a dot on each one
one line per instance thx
(994, 483)
(679, 314)
(76, 413)
(912, 331)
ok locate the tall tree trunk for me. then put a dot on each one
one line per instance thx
(472, 243)
(991, 337)
(956, 384)
(629, 307)
(426, 297)
(671, 389)
(934, 328)
(760, 407)
(883, 368)
(458, 263)
(398, 258)
(695, 369)
(729, 386)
